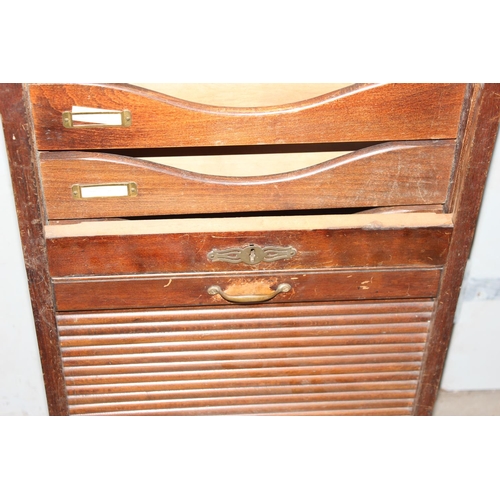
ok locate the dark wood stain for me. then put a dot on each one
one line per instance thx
(473, 160)
(23, 160)
(124, 322)
(407, 173)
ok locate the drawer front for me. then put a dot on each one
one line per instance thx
(90, 185)
(146, 119)
(368, 246)
(74, 294)
(334, 358)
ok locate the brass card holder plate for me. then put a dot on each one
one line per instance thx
(83, 192)
(96, 118)
(252, 254)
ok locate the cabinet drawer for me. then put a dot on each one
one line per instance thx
(363, 112)
(91, 185)
(136, 292)
(330, 358)
(316, 242)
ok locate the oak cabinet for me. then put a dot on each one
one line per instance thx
(196, 258)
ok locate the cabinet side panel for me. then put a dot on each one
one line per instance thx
(474, 158)
(23, 165)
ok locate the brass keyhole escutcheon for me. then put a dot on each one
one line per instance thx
(252, 254)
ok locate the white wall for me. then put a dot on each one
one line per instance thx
(473, 361)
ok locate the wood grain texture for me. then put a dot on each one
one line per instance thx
(175, 362)
(254, 404)
(337, 383)
(271, 405)
(17, 124)
(115, 321)
(251, 354)
(236, 350)
(406, 368)
(474, 156)
(317, 249)
(149, 291)
(407, 173)
(363, 363)
(366, 112)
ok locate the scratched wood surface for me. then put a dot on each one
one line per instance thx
(168, 253)
(479, 132)
(22, 156)
(407, 173)
(149, 291)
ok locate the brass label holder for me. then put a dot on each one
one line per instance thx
(252, 254)
(81, 117)
(89, 191)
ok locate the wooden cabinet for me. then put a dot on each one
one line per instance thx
(173, 273)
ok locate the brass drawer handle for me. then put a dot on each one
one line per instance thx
(249, 299)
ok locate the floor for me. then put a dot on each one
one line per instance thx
(467, 403)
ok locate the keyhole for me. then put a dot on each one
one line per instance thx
(252, 256)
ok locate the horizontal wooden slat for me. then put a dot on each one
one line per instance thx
(127, 323)
(308, 340)
(384, 175)
(81, 367)
(243, 354)
(404, 370)
(342, 382)
(235, 314)
(339, 390)
(154, 291)
(113, 335)
(324, 248)
(256, 404)
(371, 112)
(395, 411)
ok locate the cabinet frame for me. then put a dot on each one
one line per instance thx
(475, 143)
